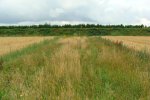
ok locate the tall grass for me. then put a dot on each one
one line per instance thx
(76, 68)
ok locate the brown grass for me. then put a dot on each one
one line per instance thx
(9, 44)
(135, 42)
(66, 62)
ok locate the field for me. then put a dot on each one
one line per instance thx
(10, 44)
(75, 68)
(140, 43)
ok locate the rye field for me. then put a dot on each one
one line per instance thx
(75, 68)
(139, 43)
(10, 44)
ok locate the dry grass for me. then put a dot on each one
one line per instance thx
(66, 63)
(9, 44)
(135, 42)
(76, 68)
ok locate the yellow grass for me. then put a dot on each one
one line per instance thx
(9, 44)
(136, 42)
(66, 62)
(76, 68)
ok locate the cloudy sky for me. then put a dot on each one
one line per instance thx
(28, 12)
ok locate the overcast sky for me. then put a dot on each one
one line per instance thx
(26, 12)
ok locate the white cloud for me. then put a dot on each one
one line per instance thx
(144, 21)
(95, 11)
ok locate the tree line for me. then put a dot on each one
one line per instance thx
(75, 26)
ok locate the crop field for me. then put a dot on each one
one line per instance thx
(140, 43)
(10, 44)
(75, 68)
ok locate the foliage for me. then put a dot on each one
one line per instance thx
(79, 30)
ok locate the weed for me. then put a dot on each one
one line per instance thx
(1, 63)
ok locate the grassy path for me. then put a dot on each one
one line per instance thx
(76, 68)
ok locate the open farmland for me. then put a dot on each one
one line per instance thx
(140, 43)
(10, 44)
(75, 68)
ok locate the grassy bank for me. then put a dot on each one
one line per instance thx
(75, 68)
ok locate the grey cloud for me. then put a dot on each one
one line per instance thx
(93, 11)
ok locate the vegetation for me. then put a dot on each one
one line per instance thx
(75, 68)
(79, 30)
(139, 43)
(10, 44)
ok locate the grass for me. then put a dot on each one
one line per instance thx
(76, 68)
